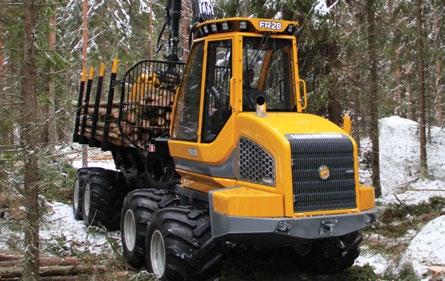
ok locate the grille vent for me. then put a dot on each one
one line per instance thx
(256, 165)
(311, 193)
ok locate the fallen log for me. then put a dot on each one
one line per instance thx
(104, 104)
(43, 262)
(51, 278)
(7, 256)
(49, 271)
(103, 111)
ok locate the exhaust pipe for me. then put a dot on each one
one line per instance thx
(261, 107)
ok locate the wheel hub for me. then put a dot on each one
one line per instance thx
(86, 200)
(157, 253)
(76, 195)
(129, 230)
(303, 249)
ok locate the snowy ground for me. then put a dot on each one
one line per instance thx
(96, 157)
(400, 185)
(69, 236)
(399, 160)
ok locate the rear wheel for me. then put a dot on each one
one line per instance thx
(102, 198)
(137, 211)
(78, 188)
(179, 245)
(329, 255)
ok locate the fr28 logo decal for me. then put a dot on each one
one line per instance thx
(272, 25)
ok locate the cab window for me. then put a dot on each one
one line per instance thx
(217, 90)
(185, 125)
(268, 71)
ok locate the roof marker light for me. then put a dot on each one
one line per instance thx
(290, 29)
(214, 27)
(243, 25)
(206, 29)
(225, 26)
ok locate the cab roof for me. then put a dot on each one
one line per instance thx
(256, 25)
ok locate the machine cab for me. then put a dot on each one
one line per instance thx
(236, 66)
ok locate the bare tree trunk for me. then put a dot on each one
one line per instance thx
(2, 69)
(421, 89)
(52, 131)
(5, 129)
(373, 96)
(334, 107)
(84, 63)
(437, 69)
(150, 38)
(29, 142)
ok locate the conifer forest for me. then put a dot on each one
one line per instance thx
(378, 62)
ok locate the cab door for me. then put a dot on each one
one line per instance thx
(202, 133)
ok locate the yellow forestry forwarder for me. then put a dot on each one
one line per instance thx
(219, 150)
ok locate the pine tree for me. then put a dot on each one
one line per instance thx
(29, 141)
(421, 88)
(438, 58)
(52, 130)
(373, 95)
(85, 34)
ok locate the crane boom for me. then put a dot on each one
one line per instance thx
(202, 11)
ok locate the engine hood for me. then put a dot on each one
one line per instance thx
(290, 123)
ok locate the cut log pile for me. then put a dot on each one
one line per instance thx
(140, 122)
(145, 113)
(51, 268)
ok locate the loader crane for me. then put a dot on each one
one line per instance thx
(217, 150)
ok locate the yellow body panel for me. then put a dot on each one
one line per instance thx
(91, 74)
(248, 202)
(114, 66)
(203, 183)
(102, 69)
(246, 198)
(143, 86)
(83, 76)
(367, 197)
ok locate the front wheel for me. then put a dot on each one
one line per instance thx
(179, 245)
(139, 206)
(330, 255)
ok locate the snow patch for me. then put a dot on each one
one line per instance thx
(59, 224)
(377, 261)
(399, 161)
(106, 164)
(427, 248)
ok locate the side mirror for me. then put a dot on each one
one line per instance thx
(302, 99)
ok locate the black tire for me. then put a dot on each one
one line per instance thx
(107, 191)
(190, 252)
(142, 203)
(331, 255)
(79, 185)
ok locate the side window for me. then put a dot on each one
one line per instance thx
(185, 126)
(217, 92)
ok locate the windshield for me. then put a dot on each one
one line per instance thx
(268, 71)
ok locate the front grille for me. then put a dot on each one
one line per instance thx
(311, 193)
(255, 164)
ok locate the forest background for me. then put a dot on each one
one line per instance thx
(371, 59)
